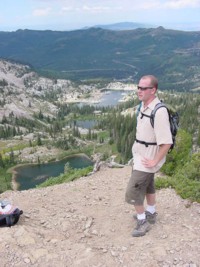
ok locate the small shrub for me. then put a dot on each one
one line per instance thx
(71, 175)
(180, 154)
(186, 180)
(164, 182)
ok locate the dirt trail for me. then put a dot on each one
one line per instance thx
(87, 223)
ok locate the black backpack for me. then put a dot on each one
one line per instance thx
(10, 216)
(173, 120)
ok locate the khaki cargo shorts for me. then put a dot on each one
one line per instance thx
(140, 184)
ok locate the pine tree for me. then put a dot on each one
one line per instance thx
(2, 165)
(12, 156)
(39, 141)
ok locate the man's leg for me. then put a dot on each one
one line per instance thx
(151, 202)
(140, 211)
(151, 208)
(151, 199)
(135, 194)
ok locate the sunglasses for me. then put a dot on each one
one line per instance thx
(144, 88)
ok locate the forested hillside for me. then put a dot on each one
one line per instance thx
(171, 55)
(37, 126)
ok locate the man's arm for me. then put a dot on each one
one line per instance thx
(162, 152)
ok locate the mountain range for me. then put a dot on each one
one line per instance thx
(120, 26)
(173, 56)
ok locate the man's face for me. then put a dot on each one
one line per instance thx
(145, 90)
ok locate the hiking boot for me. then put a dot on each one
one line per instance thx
(141, 228)
(151, 218)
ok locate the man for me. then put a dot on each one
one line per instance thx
(149, 154)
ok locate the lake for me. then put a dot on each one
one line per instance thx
(87, 124)
(29, 176)
(109, 98)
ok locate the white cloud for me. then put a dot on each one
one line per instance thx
(163, 4)
(42, 12)
(148, 4)
(90, 8)
(182, 4)
(171, 3)
(94, 6)
(98, 9)
(67, 8)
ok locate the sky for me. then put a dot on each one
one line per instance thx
(64, 15)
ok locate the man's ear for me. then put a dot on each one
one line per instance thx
(153, 91)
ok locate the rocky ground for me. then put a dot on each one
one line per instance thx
(87, 223)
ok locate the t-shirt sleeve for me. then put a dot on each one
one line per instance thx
(162, 127)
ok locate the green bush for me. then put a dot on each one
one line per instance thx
(164, 182)
(186, 180)
(5, 180)
(180, 154)
(187, 189)
(192, 168)
(71, 175)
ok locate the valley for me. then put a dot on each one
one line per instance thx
(102, 54)
(31, 124)
(42, 119)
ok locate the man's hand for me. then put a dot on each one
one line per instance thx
(148, 163)
(162, 152)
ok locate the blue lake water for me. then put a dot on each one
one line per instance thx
(87, 124)
(29, 176)
(109, 98)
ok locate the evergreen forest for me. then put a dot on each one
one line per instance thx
(113, 134)
(97, 53)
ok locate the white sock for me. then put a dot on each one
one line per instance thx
(141, 216)
(151, 209)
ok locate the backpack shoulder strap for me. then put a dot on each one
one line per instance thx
(153, 113)
(142, 114)
(138, 109)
